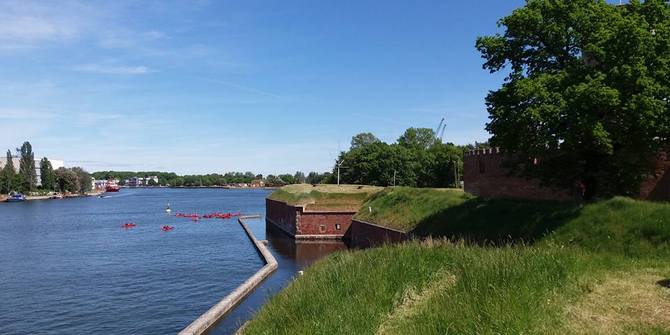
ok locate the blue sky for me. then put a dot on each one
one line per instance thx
(216, 86)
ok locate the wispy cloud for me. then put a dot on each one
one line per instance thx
(23, 114)
(28, 28)
(112, 69)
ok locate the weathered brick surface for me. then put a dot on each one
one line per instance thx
(298, 222)
(484, 176)
(657, 185)
(364, 235)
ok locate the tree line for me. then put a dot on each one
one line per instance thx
(418, 158)
(73, 180)
(212, 179)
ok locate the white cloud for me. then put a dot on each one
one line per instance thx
(23, 114)
(29, 28)
(113, 69)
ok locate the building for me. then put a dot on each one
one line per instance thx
(55, 164)
(142, 181)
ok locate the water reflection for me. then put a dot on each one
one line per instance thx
(303, 253)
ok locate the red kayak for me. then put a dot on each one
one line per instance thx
(167, 228)
(128, 225)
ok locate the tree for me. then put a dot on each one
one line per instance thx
(363, 139)
(299, 177)
(418, 138)
(47, 177)
(27, 167)
(66, 180)
(84, 180)
(586, 97)
(8, 175)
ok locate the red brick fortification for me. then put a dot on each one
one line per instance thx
(365, 234)
(484, 176)
(300, 223)
(657, 185)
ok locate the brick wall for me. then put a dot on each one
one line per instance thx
(657, 185)
(365, 234)
(302, 224)
(484, 176)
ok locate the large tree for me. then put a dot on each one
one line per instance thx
(67, 180)
(47, 177)
(27, 167)
(586, 98)
(84, 180)
(7, 175)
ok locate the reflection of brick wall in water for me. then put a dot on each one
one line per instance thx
(484, 175)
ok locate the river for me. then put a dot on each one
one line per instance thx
(67, 266)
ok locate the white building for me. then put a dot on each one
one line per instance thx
(141, 181)
(55, 164)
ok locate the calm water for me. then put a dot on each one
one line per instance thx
(67, 267)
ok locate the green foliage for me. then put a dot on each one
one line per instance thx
(553, 266)
(213, 179)
(27, 168)
(619, 226)
(84, 180)
(47, 177)
(317, 178)
(419, 289)
(67, 180)
(417, 159)
(8, 175)
(363, 139)
(587, 91)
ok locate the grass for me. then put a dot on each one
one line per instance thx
(325, 197)
(489, 267)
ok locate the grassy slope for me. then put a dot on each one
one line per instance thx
(592, 269)
(325, 197)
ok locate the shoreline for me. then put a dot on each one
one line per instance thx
(4, 197)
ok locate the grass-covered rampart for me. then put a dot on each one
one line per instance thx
(507, 267)
(325, 197)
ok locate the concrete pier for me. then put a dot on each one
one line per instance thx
(214, 314)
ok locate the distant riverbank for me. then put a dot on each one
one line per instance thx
(3, 197)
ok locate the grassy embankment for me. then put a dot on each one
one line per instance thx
(522, 267)
(325, 197)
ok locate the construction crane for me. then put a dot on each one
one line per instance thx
(439, 131)
(439, 126)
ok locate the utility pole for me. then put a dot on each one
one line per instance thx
(339, 164)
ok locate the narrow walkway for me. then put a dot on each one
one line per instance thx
(214, 314)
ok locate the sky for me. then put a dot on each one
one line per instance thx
(270, 86)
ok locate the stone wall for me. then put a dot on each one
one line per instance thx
(484, 176)
(365, 234)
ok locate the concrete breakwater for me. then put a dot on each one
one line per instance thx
(214, 314)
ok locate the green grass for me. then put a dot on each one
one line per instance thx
(438, 289)
(325, 197)
(512, 267)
